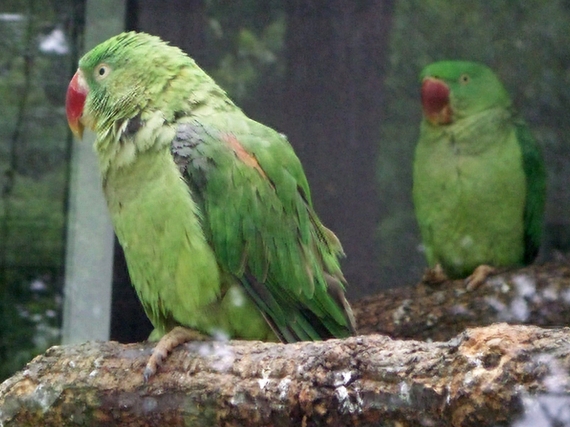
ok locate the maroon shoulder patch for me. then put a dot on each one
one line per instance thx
(241, 153)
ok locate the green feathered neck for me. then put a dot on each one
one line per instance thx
(149, 86)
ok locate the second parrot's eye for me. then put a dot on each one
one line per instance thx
(102, 71)
(464, 79)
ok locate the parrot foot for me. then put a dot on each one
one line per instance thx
(178, 335)
(434, 276)
(478, 277)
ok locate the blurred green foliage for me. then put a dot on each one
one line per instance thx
(246, 40)
(34, 68)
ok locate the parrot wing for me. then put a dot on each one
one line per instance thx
(535, 174)
(257, 216)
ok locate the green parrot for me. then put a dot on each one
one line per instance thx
(479, 178)
(212, 209)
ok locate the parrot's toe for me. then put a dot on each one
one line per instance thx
(478, 277)
(434, 276)
(178, 335)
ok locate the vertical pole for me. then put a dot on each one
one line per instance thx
(89, 254)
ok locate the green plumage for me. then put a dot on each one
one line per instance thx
(212, 209)
(479, 179)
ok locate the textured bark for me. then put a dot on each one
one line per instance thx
(486, 376)
(536, 295)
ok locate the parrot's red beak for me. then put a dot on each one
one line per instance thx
(435, 101)
(74, 103)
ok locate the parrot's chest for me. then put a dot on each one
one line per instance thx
(469, 201)
(148, 202)
(171, 264)
(470, 174)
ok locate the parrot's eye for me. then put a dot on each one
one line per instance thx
(102, 71)
(464, 79)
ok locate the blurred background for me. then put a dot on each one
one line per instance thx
(338, 77)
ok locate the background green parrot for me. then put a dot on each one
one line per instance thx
(212, 209)
(479, 178)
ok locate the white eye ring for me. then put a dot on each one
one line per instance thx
(102, 71)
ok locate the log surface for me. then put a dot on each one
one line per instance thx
(535, 295)
(486, 376)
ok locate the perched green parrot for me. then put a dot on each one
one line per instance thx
(479, 178)
(212, 209)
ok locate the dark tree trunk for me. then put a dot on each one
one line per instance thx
(181, 22)
(337, 51)
(129, 322)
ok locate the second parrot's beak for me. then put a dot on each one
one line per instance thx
(435, 101)
(74, 103)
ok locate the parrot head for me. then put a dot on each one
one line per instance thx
(452, 90)
(117, 79)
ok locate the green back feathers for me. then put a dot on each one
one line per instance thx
(535, 173)
(261, 225)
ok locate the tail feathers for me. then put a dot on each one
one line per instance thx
(293, 323)
(336, 291)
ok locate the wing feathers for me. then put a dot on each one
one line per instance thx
(263, 229)
(535, 174)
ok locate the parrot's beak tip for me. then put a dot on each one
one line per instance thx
(74, 103)
(77, 130)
